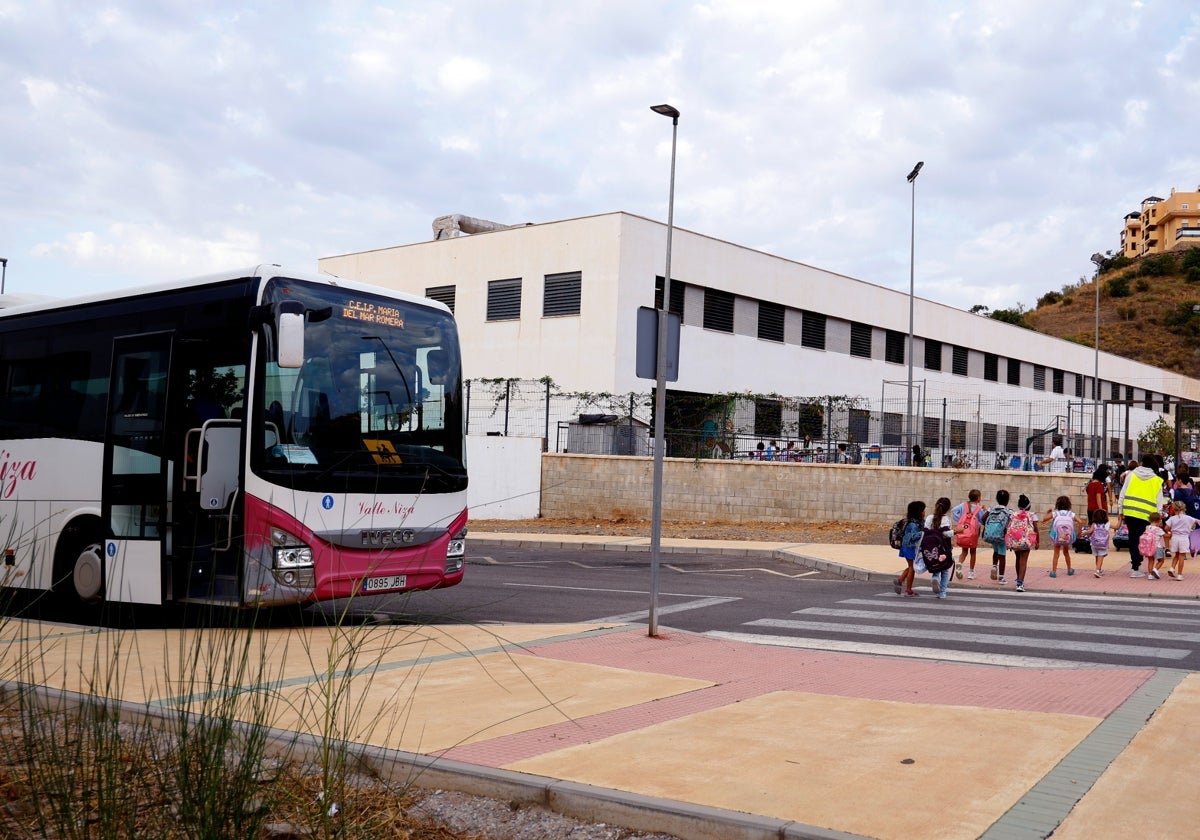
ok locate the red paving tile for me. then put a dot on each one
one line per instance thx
(741, 671)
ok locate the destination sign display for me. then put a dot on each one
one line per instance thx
(372, 313)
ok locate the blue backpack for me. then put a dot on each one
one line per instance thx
(1190, 499)
(995, 525)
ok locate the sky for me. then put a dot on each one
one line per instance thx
(149, 141)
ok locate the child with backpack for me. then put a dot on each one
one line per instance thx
(936, 550)
(1062, 532)
(906, 537)
(967, 519)
(1097, 535)
(1180, 527)
(995, 525)
(1022, 537)
(1150, 545)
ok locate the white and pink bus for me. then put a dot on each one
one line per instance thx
(257, 438)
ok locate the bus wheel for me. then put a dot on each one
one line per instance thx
(88, 574)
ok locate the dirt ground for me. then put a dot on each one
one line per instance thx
(798, 532)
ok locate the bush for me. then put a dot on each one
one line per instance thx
(1190, 259)
(1142, 285)
(1158, 265)
(1193, 273)
(1126, 313)
(1067, 300)
(1117, 287)
(1010, 316)
(1181, 314)
(1049, 298)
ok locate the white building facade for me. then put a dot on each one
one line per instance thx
(560, 299)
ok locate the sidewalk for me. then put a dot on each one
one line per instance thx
(703, 737)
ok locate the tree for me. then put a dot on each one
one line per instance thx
(1159, 436)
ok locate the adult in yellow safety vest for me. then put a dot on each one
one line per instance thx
(1141, 495)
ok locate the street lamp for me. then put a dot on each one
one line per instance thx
(912, 256)
(3, 272)
(660, 383)
(1098, 259)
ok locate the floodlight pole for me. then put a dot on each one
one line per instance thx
(912, 254)
(660, 384)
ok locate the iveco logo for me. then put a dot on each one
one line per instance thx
(400, 536)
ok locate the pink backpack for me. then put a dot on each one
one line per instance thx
(1063, 525)
(1021, 535)
(968, 537)
(1148, 544)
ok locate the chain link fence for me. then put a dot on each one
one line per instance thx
(947, 430)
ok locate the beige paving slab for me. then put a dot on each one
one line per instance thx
(1150, 789)
(835, 762)
(438, 705)
(157, 665)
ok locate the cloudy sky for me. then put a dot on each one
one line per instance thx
(142, 141)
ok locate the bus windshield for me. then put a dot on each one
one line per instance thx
(375, 406)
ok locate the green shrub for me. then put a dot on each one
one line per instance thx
(1126, 313)
(1158, 265)
(1049, 298)
(1190, 259)
(1067, 300)
(1193, 273)
(1117, 287)
(1142, 284)
(1181, 314)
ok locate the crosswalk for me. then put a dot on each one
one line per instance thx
(1031, 629)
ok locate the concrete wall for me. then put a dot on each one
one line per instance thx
(748, 491)
(505, 479)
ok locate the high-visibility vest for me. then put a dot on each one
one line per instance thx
(1141, 497)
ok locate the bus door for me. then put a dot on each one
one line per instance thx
(137, 471)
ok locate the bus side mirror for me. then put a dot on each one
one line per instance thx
(289, 331)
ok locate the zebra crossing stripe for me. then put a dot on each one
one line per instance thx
(906, 617)
(1106, 648)
(1169, 617)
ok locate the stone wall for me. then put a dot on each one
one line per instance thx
(747, 491)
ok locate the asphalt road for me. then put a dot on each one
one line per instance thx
(776, 602)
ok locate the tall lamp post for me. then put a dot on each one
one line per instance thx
(3, 272)
(660, 383)
(1098, 259)
(912, 258)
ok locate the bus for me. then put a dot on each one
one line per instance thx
(259, 438)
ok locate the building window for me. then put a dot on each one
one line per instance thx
(677, 288)
(1039, 445)
(504, 300)
(1149, 402)
(770, 321)
(958, 434)
(1078, 385)
(893, 427)
(1183, 207)
(1114, 391)
(812, 331)
(959, 362)
(562, 293)
(718, 310)
(442, 294)
(893, 350)
(1012, 439)
(1014, 372)
(933, 354)
(989, 436)
(1039, 377)
(991, 367)
(1166, 404)
(860, 425)
(1057, 381)
(768, 418)
(931, 428)
(860, 340)
(1129, 393)
(811, 421)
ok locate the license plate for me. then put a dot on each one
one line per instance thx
(379, 584)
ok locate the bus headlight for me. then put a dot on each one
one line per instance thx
(456, 551)
(290, 551)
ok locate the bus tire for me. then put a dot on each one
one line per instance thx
(79, 564)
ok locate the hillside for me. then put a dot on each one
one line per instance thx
(1154, 323)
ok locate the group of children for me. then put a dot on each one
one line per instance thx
(927, 543)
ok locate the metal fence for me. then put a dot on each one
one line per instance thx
(951, 430)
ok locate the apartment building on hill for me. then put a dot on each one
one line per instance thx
(1162, 225)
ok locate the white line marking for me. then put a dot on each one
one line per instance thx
(673, 608)
(956, 604)
(980, 638)
(841, 646)
(748, 569)
(594, 589)
(1042, 626)
(1010, 594)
